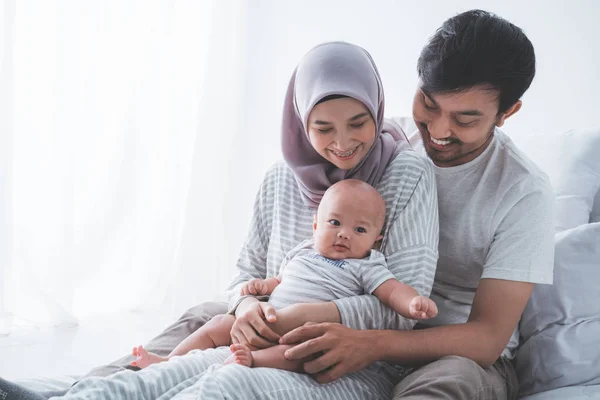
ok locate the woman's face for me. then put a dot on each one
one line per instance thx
(342, 131)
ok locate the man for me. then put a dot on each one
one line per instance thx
(496, 232)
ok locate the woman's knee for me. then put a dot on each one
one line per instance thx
(205, 311)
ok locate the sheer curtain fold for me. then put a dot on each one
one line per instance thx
(116, 119)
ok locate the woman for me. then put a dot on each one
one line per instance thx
(333, 129)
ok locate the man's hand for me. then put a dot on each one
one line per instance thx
(422, 307)
(336, 349)
(254, 287)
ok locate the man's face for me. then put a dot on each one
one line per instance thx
(457, 127)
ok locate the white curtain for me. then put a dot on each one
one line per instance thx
(116, 122)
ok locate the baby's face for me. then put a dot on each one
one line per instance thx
(347, 226)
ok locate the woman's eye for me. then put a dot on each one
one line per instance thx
(360, 229)
(326, 130)
(359, 125)
(334, 222)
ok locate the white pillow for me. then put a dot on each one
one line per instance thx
(577, 184)
(560, 328)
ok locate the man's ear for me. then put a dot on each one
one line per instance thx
(509, 113)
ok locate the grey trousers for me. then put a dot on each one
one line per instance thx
(451, 377)
(455, 377)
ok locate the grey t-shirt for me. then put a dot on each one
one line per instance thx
(495, 222)
(308, 277)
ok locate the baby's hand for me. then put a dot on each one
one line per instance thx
(256, 287)
(422, 307)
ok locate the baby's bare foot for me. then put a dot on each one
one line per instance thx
(241, 355)
(143, 358)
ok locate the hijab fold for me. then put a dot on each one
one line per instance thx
(334, 68)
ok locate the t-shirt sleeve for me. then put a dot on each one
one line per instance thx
(373, 272)
(252, 262)
(410, 244)
(522, 248)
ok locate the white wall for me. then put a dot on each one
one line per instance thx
(278, 33)
(564, 33)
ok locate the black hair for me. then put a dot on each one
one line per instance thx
(478, 48)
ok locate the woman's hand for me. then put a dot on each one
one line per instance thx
(250, 327)
(336, 349)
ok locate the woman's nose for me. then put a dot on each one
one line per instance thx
(342, 141)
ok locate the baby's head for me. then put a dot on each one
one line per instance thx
(349, 220)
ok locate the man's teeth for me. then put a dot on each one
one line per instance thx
(344, 154)
(440, 142)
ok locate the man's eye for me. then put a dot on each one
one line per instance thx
(360, 229)
(334, 222)
(429, 107)
(470, 123)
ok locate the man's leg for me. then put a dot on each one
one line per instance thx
(166, 341)
(455, 377)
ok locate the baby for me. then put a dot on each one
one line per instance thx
(338, 262)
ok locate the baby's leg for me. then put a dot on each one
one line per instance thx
(214, 333)
(268, 358)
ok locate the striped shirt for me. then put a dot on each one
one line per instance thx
(410, 237)
(309, 277)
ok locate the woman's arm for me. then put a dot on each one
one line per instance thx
(252, 262)
(250, 326)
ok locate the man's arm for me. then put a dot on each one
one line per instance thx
(497, 307)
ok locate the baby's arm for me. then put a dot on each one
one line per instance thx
(260, 287)
(405, 300)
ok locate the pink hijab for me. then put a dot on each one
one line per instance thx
(334, 68)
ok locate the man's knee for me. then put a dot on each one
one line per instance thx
(450, 377)
(457, 365)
